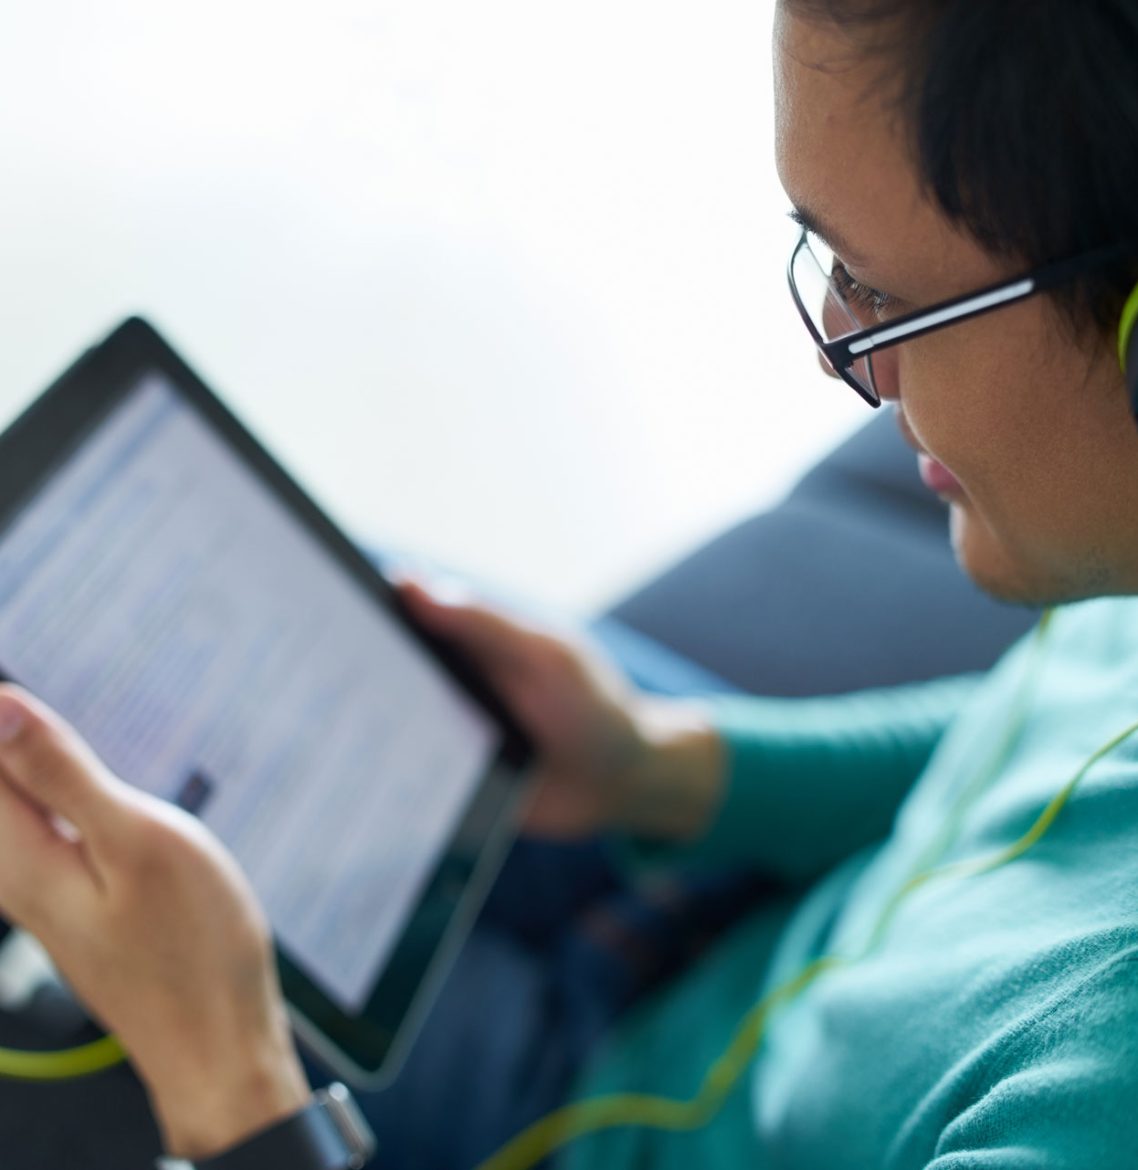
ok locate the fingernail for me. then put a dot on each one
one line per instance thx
(11, 719)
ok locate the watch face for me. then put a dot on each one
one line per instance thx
(353, 1126)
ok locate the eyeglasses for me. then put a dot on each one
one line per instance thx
(847, 346)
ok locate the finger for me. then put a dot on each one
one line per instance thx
(557, 816)
(41, 872)
(486, 634)
(45, 761)
(431, 597)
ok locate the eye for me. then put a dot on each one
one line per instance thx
(859, 296)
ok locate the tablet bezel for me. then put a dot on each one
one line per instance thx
(366, 1048)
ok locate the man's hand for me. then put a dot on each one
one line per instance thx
(609, 757)
(154, 927)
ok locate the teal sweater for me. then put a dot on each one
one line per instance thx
(995, 1024)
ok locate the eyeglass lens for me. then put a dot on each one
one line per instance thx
(828, 310)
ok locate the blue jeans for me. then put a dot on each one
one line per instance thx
(528, 995)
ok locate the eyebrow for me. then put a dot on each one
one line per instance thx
(816, 226)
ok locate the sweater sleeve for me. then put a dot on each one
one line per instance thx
(811, 781)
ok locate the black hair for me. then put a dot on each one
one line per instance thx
(1023, 116)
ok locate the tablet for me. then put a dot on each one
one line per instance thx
(175, 595)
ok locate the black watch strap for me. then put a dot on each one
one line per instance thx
(328, 1134)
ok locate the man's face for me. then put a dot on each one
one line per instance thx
(1025, 427)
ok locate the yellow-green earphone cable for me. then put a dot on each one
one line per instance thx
(106, 1053)
(631, 1109)
(63, 1065)
(663, 1113)
(1021, 708)
(1129, 321)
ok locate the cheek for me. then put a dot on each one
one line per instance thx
(1036, 440)
(970, 401)
(887, 373)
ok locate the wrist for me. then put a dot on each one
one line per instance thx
(329, 1133)
(220, 1108)
(675, 787)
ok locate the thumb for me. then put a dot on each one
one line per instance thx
(50, 766)
(41, 871)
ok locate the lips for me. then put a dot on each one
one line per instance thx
(935, 476)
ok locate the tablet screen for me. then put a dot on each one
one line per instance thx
(209, 648)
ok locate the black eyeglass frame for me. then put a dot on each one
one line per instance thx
(843, 352)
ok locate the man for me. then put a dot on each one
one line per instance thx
(961, 987)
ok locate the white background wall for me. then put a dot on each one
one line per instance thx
(502, 280)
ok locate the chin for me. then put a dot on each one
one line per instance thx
(1010, 575)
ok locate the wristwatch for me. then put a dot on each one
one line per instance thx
(328, 1134)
